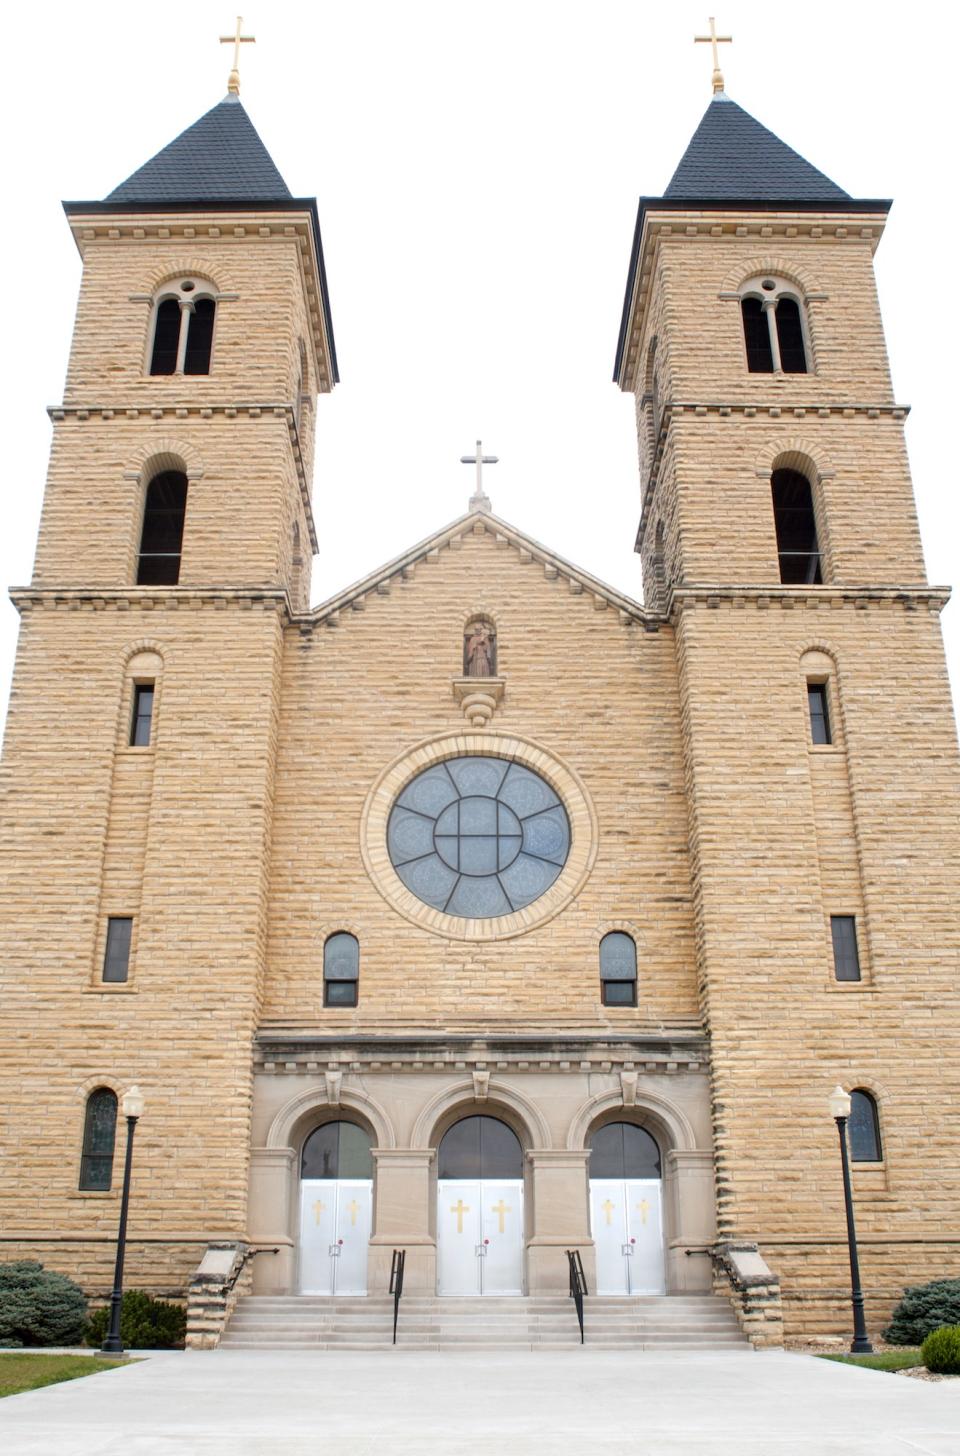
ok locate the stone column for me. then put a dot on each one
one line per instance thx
(272, 1220)
(558, 1218)
(402, 1219)
(689, 1209)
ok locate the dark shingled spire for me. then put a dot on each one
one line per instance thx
(218, 159)
(731, 156)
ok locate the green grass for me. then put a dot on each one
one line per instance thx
(885, 1360)
(30, 1372)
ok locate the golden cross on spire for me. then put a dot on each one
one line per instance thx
(714, 40)
(236, 40)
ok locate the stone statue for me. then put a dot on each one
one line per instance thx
(479, 650)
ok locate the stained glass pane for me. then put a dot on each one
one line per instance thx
(478, 899)
(527, 879)
(526, 792)
(478, 775)
(429, 879)
(478, 856)
(429, 793)
(478, 816)
(99, 1137)
(341, 957)
(618, 957)
(547, 835)
(409, 835)
(863, 1128)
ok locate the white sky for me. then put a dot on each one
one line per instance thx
(477, 168)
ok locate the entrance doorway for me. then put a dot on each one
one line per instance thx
(625, 1210)
(336, 1199)
(479, 1209)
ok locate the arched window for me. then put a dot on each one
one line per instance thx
(863, 1128)
(618, 969)
(99, 1135)
(797, 546)
(621, 1150)
(183, 329)
(337, 1150)
(341, 969)
(773, 327)
(161, 539)
(480, 1147)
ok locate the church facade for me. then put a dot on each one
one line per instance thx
(482, 911)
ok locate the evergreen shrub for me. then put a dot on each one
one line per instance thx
(145, 1323)
(39, 1307)
(923, 1309)
(940, 1351)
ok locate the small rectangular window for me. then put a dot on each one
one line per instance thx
(116, 956)
(846, 958)
(340, 993)
(142, 719)
(819, 713)
(619, 993)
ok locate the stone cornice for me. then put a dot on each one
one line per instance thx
(147, 598)
(205, 410)
(782, 408)
(694, 596)
(279, 1051)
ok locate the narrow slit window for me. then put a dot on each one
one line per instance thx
(199, 337)
(99, 1135)
(846, 956)
(756, 334)
(863, 1128)
(116, 955)
(793, 355)
(618, 969)
(162, 538)
(819, 712)
(798, 550)
(141, 722)
(166, 338)
(341, 969)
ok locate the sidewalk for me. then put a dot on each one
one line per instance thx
(396, 1403)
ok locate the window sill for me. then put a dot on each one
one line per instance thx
(846, 988)
(117, 989)
(94, 1193)
(137, 750)
(825, 749)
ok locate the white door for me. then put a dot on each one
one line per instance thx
(479, 1236)
(626, 1223)
(335, 1221)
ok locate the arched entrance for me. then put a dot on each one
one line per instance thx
(479, 1209)
(625, 1210)
(336, 1196)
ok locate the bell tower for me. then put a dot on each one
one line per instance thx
(138, 779)
(778, 536)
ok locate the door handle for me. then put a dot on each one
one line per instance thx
(334, 1251)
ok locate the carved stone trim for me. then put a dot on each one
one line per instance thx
(478, 697)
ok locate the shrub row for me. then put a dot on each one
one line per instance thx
(41, 1307)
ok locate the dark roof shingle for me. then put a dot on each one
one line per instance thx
(731, 155)
(220, 158)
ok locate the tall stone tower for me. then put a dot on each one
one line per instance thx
(175, 540)
(779, 534)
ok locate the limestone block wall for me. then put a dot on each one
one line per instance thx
(594, 689)
(181, 1026)
(783, 1031)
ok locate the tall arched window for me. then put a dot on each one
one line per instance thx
(863, 1128)
(621, 1150)
(618, 969)
(161, 539)
(183, 322)
(797, 547)
(337, 1150)
(99, 1135)
(773, 327)
(341, 969)
(479, 1147)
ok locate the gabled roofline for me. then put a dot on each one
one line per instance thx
(496, 527)
(713, 204)
(243, 204)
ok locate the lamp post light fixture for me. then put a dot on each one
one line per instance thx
(132, 1104)
(840, 1111)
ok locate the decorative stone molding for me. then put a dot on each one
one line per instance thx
(481, 1085)
(628, 1088)
(741, 1272)
(478, 698)
(461, 1094)
(810, 598)
(674, 1125)
(333, 1081)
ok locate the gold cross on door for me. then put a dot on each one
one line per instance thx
(459, 1208)
(501, 1209)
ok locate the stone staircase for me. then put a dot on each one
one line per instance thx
(546, 1322)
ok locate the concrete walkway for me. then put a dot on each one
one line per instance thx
(580, 1403)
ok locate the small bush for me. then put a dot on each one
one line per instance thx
(39, 1307)
(940, 1351)
(145, 1323)
(923, 1309)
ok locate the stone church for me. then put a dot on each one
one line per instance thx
(549, 930)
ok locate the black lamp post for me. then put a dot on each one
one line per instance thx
(132, 1104)
(840, 1111)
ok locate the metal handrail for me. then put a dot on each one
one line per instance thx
(578, 1284)
(249, 1254)
(397, 1264)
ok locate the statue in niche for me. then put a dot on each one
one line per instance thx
(479, 650)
